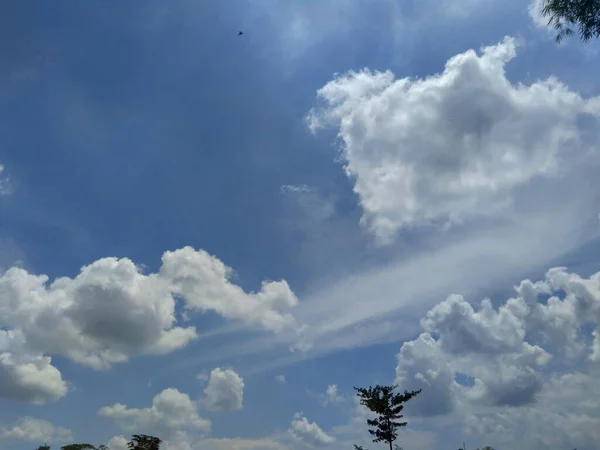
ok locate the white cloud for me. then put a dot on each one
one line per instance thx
(564, 416)
(332, 396)
(203, 280)
(4, 182)
(280, 379)
(491, 343)
(546, 215)
(535, 12)
(225, 391)
(595, 355)
(294, 188)
(492, 256)
(482, 331)
(117, 443)
(31, 379)
(422, 365)
(453, 146)
(171, 412)
(112, 311)
(309, 432)
(507, 352)
(535, 9)
(107, 313)
(557, 322)
(36, 430)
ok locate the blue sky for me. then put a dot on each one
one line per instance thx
(354, 164)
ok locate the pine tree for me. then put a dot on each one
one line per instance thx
(388, 406)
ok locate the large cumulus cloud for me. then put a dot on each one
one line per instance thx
(225, 390)
(451, 146)
(171, 412)
(309, 432)
(112, 311)
(535, 354)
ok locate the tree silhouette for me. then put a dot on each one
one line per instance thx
(144, 442)
(138, 442)
(388, 407)
(80, 447)
(564, 15)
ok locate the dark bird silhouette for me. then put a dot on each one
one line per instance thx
(240, 33)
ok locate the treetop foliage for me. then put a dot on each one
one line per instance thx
(144, 442)
(82, 447)
(388, 406)
(565, 15)
(138, 442)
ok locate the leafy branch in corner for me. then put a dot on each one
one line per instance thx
(564, 15)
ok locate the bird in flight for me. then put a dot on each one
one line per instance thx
(240, 33)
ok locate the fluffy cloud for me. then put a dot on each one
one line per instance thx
(558, 321)
(309, 432)
(535, 12)
(203, 280)
(490, 343)
(171, 412)
(25, 377)
(36, 430)
(564, 416)
(539, 20)
(4, 182)
(451, 146)
(483, 331)
(107, 313)
(595, 355)
(30, 379)
(503, 356)
(112, 311)
(421, 365)
(281, 378)
(225, 391)
(332, 395)
(117, 443)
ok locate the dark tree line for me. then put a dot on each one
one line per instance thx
(137, 442)
(82, 447)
